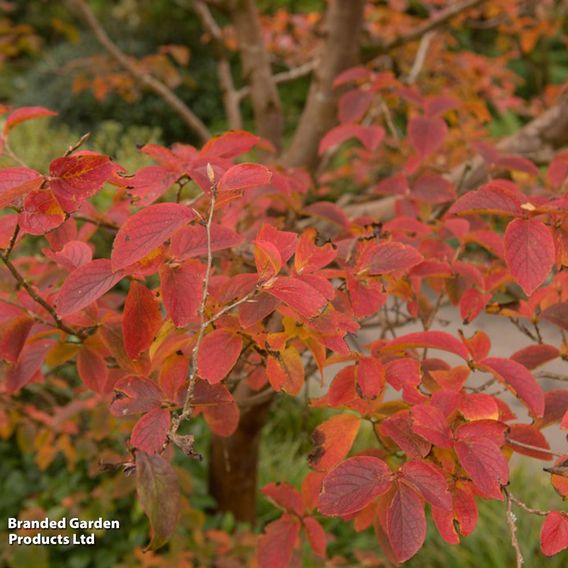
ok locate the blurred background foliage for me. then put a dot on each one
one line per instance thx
(37, 68)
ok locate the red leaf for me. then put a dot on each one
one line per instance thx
(556, 406)
(399, 428)
(85, 285)
(498, 197)
(135, 395)
(370, 377)
(531, 436)
(558, 169)
(389, 257)
(479, 406)
(427, 134)
(13, 335)
(72, 255)
(244, 176)
(484, 463)
(305, 299)
(316, 536)
(369, 136)
(529, 252)
(285, 496)
(431, 340)
(429, 481)
(333, 440)
(367, 297)
(151, 431)
(28, 364)
(432, 188)
(352, 485)
(41, 213)
(92, 369)
(284, 241)
(150, 183)
(218, 406)
(557, 314)
(430, 423)
(25, 113)
(218, 353)
(267, 259)
(491, 429)
(554, 533)
(182, 289)
(15, 182)
(471, 304)
(354, 104)
(536, 355)
(141, 320)
(285, 371)
(257, 309)
(276, 545)
(405, 522)
(75, 178)
(146, 230)
(191, 241)
(230, 144)
(309, 257)
(519, 380)
(159, 495)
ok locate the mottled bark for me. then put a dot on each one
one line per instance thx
(339, 51)
(257, 70)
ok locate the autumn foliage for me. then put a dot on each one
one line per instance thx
(249, 273)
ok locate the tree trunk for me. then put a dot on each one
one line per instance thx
(233, 463)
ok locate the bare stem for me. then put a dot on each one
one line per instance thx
(525, 507)
(188, 404)
(38, 299)
(511, 521)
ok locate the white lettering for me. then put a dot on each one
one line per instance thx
(12, 523)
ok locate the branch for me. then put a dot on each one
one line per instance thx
(440, 19)
(231, 99)
(538, 140)
(37, 298)
(163, 91)
(525, 506)
(187, 410)
(552, 376)
(420, 58)
(286, 76)
(257, 70)
(340, 50)
(511, 521)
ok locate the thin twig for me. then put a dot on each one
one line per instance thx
(203, 323)
(420, 59)
(534, 448)
(284, 77)
(511, 521)
(231, 99)
(162, 90)
(97, 222)
(552, 376)
(77, 144)
(437, 21)
(12, 242)
(525, 507)
(229, 307)
(38, 299)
